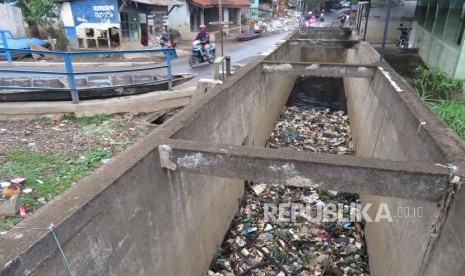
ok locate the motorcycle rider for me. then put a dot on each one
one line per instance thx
(204, 38)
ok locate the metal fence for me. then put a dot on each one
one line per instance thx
(70, 73)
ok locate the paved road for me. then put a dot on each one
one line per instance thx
(241, 53)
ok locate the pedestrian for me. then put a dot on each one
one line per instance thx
(342, 20)
(308, 16)
(302, 21)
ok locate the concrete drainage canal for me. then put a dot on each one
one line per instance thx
(176, 200)
(282, 230)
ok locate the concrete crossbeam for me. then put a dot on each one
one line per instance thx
(327, 43)
(320, 69)
(365, 176)
(324, 33)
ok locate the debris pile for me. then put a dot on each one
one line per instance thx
(313, 130)
(282, 230)
(285, 23)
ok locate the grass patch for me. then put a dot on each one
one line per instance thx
(97, 129)
(85, 121)
(453, 113)
(8, 222)
(45, 121)
(47, 174)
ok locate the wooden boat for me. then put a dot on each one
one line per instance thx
(249, 35)
(92, 87)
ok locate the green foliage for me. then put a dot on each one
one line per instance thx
(60, 35)
(453, 113)
(42, 12)
(433, 84)
(85, 121)
(93, 158)
(8, 222)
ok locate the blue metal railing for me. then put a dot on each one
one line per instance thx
(3, 34)
(70, 73)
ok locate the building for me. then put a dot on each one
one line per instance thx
(194, 13)
(402, 12)
(438, 34)
(114, 23)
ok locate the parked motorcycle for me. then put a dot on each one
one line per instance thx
(402, 42)
(199, 55)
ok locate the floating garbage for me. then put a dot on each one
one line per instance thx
(275, 231)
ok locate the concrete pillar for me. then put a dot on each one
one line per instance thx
(239, 16)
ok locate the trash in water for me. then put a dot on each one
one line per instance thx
(259, 244)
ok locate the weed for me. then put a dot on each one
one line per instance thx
(453, 113)
(45, 121)
(8, 222)
(433, 84)
(97, 129)
(96, 119)
(85, 121)
(92, 158)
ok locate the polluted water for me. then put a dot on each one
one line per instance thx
(281, 230)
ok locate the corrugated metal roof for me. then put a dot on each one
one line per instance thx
(160, 2)
(224, 3)
(148, 2)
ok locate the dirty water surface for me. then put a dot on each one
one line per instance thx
(282, 230)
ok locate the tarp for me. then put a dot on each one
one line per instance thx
(225, 3)
(160, 2)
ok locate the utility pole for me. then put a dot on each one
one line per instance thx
(388, 17)
(366, 21)
(220, 18)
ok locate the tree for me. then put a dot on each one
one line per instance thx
(44, 13)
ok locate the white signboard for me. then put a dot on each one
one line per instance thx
(166, 20)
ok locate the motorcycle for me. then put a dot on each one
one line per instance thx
(402, 42)
(199, 55)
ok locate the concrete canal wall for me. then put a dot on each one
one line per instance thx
(134, 218)
(389, 121)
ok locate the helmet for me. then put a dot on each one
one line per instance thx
(202, 27)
